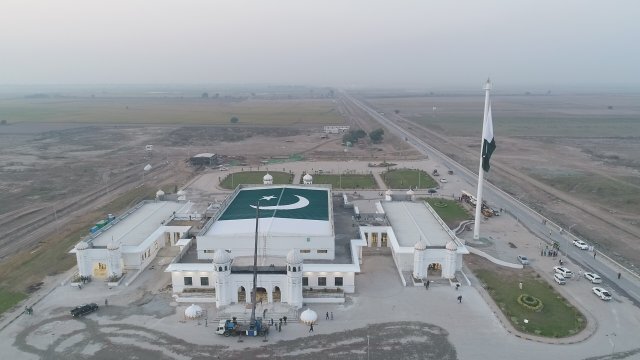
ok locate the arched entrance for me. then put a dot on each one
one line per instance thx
(100, 270)
(434, 270)
(277, 295)
(242, 295)
(261, 295)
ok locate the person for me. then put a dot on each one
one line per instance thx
(332, 315)
(285, 319)
(459, 299)
(520, 285)
(311, 327)
(594, 254)
(271, 321)
(619, 274)
(457, 286)
(327, 316)
(428, 282)
(106, 302)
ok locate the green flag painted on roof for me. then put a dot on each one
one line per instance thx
(282, 202)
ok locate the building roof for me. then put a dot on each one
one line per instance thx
(413, 222)
(284, 210)
(138, 225)
(204, 155)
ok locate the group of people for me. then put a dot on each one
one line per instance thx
(278, 325)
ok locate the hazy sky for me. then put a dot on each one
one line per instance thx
(324, 42)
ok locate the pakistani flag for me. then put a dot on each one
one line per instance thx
(488, 143)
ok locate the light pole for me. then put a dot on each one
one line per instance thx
(368, 347)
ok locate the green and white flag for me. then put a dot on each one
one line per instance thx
(488, 143)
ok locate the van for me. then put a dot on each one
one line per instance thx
(559, 279)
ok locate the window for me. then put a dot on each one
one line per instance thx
(204, 281)
(339, 281)
(322, 251)
(322, 281)
(305, 281)
(188, 280)
(305, 251)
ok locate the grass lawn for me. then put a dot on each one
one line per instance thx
(254, 177)
(23, 273)
(348, 181)
(557, 318)
(405, 178)
(451, 212)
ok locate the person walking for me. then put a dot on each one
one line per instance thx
(311, 327)
(619, 275)
(327, 316)
(428, 282)
(285, 319)
(106, 302)
(594, 254)
(457, 286)
(459, 299)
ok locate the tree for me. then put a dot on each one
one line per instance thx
(234, 120)
(353, 136)
(376, 136)
(205, 95)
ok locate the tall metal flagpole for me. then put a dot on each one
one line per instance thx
(252, 321)
(476, 225)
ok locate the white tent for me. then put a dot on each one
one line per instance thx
(193, 312)
(308, 317)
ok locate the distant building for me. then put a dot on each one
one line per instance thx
(336, 129)
(204, 159)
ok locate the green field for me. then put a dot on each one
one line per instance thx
(557, 318)
(170, 111)
(347, 181)
(254, 177)
(406, 178)
(451, 212)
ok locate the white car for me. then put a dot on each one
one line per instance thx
(602, 293)
(563, 271)
(523, 260)
(581, 244)
(443, 180)
(559, 279)
(593, 277)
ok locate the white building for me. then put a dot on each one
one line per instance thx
(131, 241)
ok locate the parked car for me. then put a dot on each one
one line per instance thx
(523, 260)
(443, 180)
(432, 191)
(559, 279)
(84, 309)
(563, 271)
(602, 293)
(593, 277)
(581, 244)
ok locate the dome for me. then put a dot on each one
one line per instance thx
(181, 193)
(112, 245)
(410, 192)
(221, 257)
(308, 317)
(451, 246)
(420, 245)
(388, 192)
(82, 245)
(193, 312)
(267, 177)
(160, 193)
(307, 177)
(294, 257)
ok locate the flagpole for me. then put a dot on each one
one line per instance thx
(476, 225)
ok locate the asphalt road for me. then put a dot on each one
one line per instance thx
(627, 285)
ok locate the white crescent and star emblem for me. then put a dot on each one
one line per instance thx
(302, 202)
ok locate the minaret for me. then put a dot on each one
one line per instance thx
(267, 179)
(307, 179)
(449, 266)
(294, 278)
(84, 268)
(418, 260)
(222, 267)
(114, 259)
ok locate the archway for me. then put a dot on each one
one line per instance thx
(261, 295)
(100, 270)
(242, 295)
(277, 295)
(434, 270)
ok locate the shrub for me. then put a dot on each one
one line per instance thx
(530, 302)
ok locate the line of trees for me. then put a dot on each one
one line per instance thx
(353, 136)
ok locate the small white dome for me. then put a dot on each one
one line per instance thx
(159, 193)
(82, 245)
(451, 246)
(410, 192)
(193, 312)
(112, 245)
(294, 257)
(308, 317)
(420, 245)
(388, 192)
(221, 257)
(181, 192)
(267, 177)
(307, 177)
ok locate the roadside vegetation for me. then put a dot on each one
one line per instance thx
(347, 181)
(408, 178)
(537, 309)
(23, 273)
(254, 177)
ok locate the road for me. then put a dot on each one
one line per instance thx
(628, 285)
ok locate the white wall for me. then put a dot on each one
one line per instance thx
(276, 246)
(348, 280)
